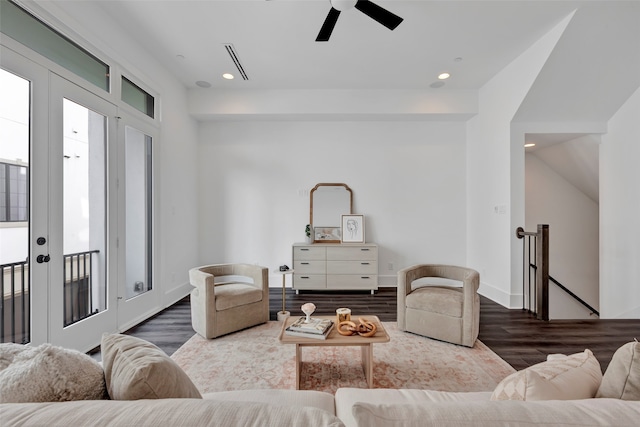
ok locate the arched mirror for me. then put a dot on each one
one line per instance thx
(328, 203)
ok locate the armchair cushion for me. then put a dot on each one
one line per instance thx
(437, 299)
(235, 294)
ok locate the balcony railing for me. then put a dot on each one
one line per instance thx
(15, 304)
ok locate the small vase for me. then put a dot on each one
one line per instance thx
(309, 240)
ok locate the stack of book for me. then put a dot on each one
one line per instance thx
(316, 328)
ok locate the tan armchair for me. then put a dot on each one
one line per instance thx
(442, 311)
(228, 298)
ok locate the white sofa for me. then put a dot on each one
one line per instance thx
(148, 389)
(351, 407)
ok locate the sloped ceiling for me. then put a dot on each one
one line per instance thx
(572, 156)
(593, 70)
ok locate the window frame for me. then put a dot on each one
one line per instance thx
(5, 193)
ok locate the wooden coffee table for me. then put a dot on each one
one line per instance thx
(337, 340)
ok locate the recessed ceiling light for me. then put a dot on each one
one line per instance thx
(444, 76)
(529, 144)
(203, 84)
(228, 76)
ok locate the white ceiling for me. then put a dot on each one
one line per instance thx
(275, 41)
(593, 70)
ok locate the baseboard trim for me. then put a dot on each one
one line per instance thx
(499, 296)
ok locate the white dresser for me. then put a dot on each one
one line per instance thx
(327, 266)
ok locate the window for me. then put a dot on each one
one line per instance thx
(14, 198)
(137, 98)
(36, 35)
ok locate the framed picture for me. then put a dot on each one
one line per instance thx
(352, 228)
(326, 234)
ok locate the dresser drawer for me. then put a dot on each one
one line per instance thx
(352, 281)
(310, 267)
(309, 281)
(352, 253)
(352, 267)
(309, 252)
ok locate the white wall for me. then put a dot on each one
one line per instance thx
(619, 213)
(495, 177)
(408, 179)
(573, 237)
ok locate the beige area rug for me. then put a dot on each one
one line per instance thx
(255, 359)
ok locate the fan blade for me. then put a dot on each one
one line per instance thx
(329, 24)
(382, 15)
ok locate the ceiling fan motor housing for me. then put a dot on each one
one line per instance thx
(343, 5)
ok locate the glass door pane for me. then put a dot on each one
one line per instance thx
(138, 224)
(15, 305)
(84, 212)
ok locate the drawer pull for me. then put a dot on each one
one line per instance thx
(364, 249)
(304, 263)
(364, 263)
(365, 277)
(304, 249)
(304, 277)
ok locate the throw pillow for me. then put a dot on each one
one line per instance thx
(577, 376)
(47, 373)
(136, 369)
(621, 380)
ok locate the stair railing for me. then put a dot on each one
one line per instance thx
(535, 299)
(535, 245)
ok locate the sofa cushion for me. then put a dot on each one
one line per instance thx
(161, 413)
(621, 380)
(136, 369)
(576, 376)
(311, 398)
(587, 412)
(47, 373)
(347, 397)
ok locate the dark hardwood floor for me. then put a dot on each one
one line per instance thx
(514, 335)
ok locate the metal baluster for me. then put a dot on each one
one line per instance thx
(2, 305)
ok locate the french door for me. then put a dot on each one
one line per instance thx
(82, 215)
(85, 249)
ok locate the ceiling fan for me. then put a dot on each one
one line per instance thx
(372, 10)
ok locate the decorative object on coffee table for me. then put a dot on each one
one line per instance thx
(364, 328)
(343, 314)
(317, 328)
(281, 315)
(308, 309)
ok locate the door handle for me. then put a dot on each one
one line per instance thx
(43, 258)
